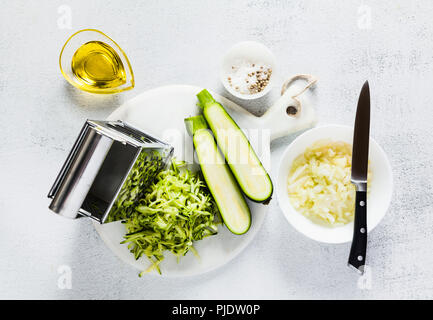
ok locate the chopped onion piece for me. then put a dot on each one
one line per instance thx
(319, 184)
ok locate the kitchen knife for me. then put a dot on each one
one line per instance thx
(361, 137)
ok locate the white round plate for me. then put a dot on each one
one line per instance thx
(161, 113)
(379, 197)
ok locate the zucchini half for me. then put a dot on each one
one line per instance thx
(231, 203)
(240, 156)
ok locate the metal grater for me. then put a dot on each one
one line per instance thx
(108, 168)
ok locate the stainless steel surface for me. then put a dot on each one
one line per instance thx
(98, 166)
(361, 138)
(360, 186)
(78, 172)
(359, 270)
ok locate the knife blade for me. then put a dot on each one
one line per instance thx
(361, 138)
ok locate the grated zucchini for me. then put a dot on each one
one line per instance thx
(175, 210)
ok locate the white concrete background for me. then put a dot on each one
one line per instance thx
(181, 42)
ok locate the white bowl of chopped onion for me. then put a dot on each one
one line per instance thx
(248, 70)
(313, 185)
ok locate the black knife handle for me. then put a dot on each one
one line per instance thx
(358, 251)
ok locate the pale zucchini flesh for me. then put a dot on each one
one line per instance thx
(232, 205)
(240, 156)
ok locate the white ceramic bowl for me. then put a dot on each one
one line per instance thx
(378, 199)
(249, 51)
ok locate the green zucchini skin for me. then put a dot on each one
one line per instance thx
(228, 196)
(256, 186)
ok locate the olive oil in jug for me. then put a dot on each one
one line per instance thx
(96, 64)
(93, 62)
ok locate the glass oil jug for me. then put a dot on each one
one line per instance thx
(93, 62)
